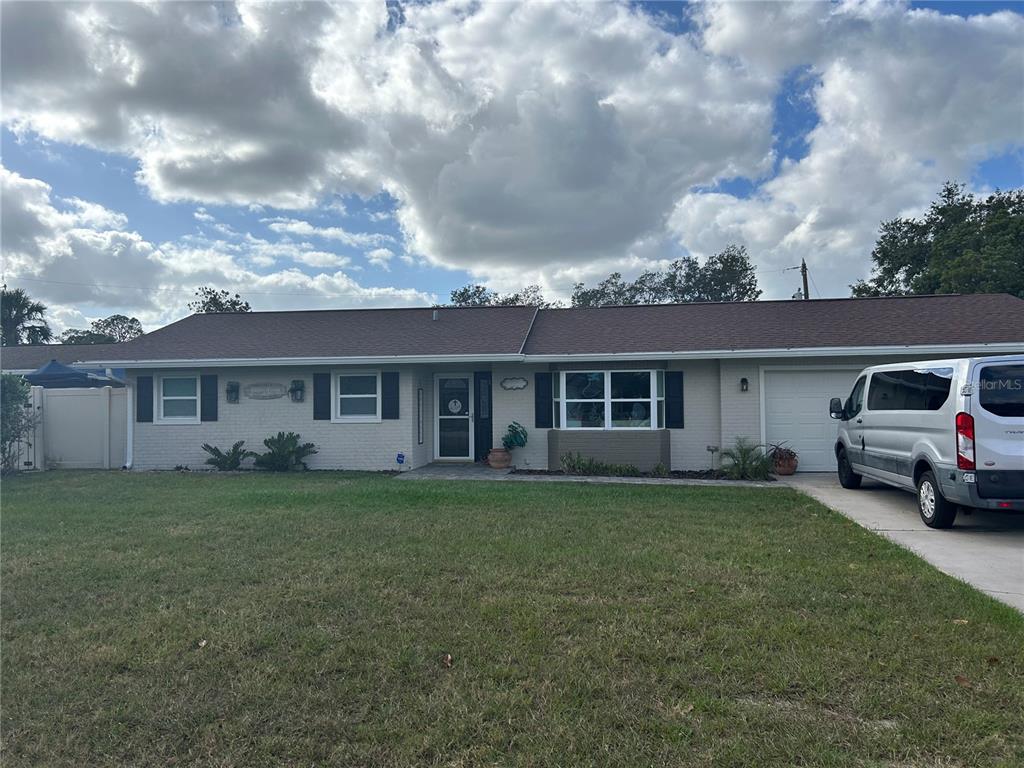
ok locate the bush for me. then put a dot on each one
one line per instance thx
(747, 461)
(575, 464)
(660, 470)
(515, 436)
(229, 461)
(16, 421)
(284, 453)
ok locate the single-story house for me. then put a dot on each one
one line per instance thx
(380, 389)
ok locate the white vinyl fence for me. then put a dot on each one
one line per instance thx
(76, 429)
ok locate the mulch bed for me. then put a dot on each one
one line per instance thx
(688, 474)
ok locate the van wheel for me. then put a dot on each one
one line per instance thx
(847, 477)
(936, 511)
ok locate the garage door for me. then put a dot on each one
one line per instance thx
(796, 412)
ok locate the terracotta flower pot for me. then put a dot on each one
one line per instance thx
(786, 466)
(499, 458)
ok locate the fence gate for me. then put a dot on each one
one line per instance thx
(76, 429)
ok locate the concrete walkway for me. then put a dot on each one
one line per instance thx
(457, 471)
(985, 549)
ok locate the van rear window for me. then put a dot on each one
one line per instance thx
(1001, 389)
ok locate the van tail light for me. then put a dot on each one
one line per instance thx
(964, 441)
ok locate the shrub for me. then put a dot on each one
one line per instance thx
(515, 436)
(575, 464)
(230, 460)
(16, 421)
(747, 461)
(284, 453)
(660, 470)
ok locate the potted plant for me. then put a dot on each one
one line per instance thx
(784, 459)
(515, 437)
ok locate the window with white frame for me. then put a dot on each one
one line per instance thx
(609, 399)
(357, 396)
(178, 399)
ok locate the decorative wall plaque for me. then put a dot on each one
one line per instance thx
(513, 382)
(268, 390)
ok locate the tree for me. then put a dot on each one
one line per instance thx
(964, 244)
(22, 320)
(211, 300)
(119, 327)
(79, 336)
(726, 276)
(480, 296)
(16, 420)
(110, 330)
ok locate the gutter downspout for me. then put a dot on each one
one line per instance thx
(129, 445)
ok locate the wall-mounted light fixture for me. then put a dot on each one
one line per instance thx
(744, 384)
(297, 390)
(231, 391)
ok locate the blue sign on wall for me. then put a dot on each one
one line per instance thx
(400, 458)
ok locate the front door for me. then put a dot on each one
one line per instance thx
(454, 417)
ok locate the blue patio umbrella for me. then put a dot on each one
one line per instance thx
(56, 375)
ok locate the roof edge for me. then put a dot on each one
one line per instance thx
(954, 349)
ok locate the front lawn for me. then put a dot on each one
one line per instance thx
(158, 619)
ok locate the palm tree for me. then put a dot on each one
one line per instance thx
(22, 320)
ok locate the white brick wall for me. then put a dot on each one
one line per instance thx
(701, 415)
(518, 405)
(341, 446)
(716, 413)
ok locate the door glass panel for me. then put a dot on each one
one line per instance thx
(453, 438)
(453, 397)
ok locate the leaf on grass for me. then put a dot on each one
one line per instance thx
(962, 681)
(202, 643)
(446, 661)
(992, 660)
(960, 621)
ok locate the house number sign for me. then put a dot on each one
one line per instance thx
(270, 390)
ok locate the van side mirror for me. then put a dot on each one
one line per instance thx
(835, 408)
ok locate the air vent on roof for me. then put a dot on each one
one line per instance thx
(434, 315)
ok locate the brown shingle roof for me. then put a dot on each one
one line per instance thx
(30, 357)
(483, 331)
(912, 320)
(336, 333)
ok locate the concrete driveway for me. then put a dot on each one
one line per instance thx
(985, 549)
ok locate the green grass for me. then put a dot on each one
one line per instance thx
(166, 619)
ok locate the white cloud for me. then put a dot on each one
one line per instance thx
(379, 257)
(81, 267)
(305, 229)
(536, 142)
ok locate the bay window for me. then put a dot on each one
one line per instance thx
(609, 399)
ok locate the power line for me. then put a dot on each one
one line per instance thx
(166, 290)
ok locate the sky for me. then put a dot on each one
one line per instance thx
(383, 154)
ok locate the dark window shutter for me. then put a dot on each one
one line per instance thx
(208, 398)
(144, 398)
(483, 424)
(542, 401)
(389, 395)
(674, 399)
(322, 396)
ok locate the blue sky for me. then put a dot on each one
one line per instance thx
(388, 162)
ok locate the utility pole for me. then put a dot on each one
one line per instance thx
(803, 274)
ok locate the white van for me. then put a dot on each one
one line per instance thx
(950, 430)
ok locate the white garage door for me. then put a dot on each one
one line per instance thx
(796, 412)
